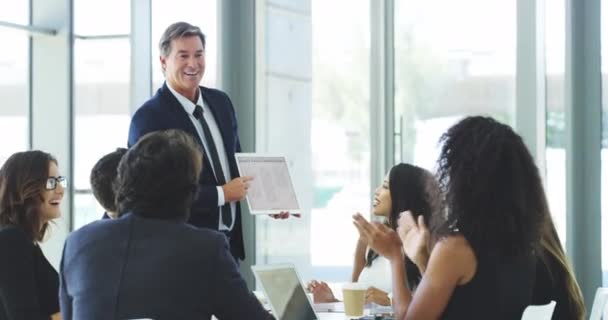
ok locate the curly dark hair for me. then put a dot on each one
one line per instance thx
(158, 176)
(493, 190)
(412, 189)
(22, 181)
(102, 178)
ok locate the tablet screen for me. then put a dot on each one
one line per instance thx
(271, 190)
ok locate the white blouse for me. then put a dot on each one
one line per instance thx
(378, 275)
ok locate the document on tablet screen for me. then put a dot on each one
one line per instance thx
(271, 190)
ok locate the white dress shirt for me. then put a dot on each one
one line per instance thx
(219, 145)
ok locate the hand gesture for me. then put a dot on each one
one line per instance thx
(362, 241)
(379, 237)
(377, 296)
(236, 189)
(320, 291)
(415, 238)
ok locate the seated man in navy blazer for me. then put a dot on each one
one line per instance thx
(149, 263)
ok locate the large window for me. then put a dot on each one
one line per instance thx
(555, 46)
(201, 13)
(317, 114)
(340, 131)
(448, 67)
(14, 69)
(101, 93)
(102, 56)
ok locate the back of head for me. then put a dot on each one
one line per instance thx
(102, 179)
(412, 189)
(158, 176)
(22, 181)
(492, 187)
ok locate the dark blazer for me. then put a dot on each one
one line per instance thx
(28, 282)
(135, 267)
(163, 112)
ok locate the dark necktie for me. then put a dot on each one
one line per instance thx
(217, 166)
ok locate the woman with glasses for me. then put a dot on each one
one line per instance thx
(31, 190)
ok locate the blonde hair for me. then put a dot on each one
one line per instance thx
(552, 249)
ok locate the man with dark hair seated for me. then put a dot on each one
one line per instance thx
(156, 265)
(102, 179)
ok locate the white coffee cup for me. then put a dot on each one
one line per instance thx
(354, 299)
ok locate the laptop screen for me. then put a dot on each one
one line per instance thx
(284, 292)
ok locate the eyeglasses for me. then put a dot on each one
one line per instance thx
(51, 182)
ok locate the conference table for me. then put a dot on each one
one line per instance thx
(336, 316)
(332, 316)
(332, 310)
(335, 311)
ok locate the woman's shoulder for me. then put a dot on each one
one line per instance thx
(454, 241)
(13, 240)
(454, 247)
(12, 231)
(455, 253)
(11, 235)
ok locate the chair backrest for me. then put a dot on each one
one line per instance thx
(600, 307)
(540, 312)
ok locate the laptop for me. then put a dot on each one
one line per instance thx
(284, 292)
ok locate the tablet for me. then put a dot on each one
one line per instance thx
(284, 292)
(271, 190)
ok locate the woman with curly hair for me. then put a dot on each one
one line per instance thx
(31, 190)
(405, 188)
(481, 264)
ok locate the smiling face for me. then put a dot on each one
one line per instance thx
(51, 199)
(382, 199)
(185, 65)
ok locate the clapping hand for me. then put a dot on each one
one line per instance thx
(415, 238)
(379, 237)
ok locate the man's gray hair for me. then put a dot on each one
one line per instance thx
(176, 31)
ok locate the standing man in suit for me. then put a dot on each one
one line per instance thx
(206, 114)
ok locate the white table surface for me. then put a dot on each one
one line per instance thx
(331, 316)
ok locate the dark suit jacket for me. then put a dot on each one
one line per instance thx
(28, 282)
(135, 267)
(164, 112)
